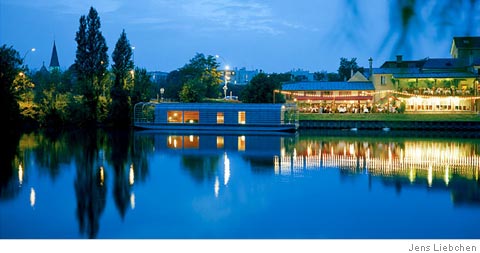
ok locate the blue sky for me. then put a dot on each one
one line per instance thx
(275, 36)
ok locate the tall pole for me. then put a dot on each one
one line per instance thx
(26, 53)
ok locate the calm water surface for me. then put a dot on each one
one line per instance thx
(179, 185)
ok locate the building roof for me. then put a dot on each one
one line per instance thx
(403, 64)
(444, 63)
(436, 75)
(358, 77)
(466, 42)
(395, 70)
(328, 86)
(54, 60)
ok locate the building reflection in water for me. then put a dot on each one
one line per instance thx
(433, 163)
(417, 160)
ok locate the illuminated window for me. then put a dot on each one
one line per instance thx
(191, 117)
(191, 141)
(220, 118)
(220, 141)
(241, 143)
(241, 117)
(174, 117)
(175, 142)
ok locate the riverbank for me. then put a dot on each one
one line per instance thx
(434, 122)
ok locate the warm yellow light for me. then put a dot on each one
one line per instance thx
(446, 178)
(226, 172)
(20, 174)
(102, 175)
(132, 200)
(131, 175)
(32, 197)
(430, 176)
(411, 176)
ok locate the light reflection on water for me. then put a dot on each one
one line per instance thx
(222, 185)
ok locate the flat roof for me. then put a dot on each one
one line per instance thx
(437, 75)
(328, 86)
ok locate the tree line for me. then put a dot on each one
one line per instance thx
(89, 93)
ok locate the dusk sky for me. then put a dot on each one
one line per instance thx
(274, 36)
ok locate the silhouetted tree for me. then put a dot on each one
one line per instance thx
(142, 90)
(347, 67)
(261, 88)
(90, 188)
(9, 70)
(119, 114)
(174, 85)
(91, 61)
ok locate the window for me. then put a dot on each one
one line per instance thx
(174, 117)
(383, 80)
(220, 142)
(191, 141)
(241, 143)
(241, 117)
(191, 117)
(220, 118)
(175, 142)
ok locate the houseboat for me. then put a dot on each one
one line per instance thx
(216, 116)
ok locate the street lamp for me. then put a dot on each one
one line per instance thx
(26, 53)
(227, 77)
(162, 90)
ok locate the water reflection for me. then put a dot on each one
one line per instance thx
(113, 168)
(438, 163)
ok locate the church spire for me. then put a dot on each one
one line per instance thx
(54, 60)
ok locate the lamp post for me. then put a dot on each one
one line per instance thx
(26, 53)
(162, 90)
(227, 77)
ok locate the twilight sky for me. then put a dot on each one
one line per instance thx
(275, 36)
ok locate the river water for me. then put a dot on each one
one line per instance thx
(174, 185)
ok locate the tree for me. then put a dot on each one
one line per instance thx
(200, 75)
(261, 88)
(173, 85)
(91, 61)
(9, 70)
(347, 68)
(119, 113)
(122, 59)
(142, 89)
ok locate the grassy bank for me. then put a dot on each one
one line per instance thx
(390, 117)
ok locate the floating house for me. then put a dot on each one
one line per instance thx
(216, 116)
